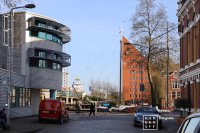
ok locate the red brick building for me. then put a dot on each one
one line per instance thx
(173, 91)
(131, 74)
(189, 31)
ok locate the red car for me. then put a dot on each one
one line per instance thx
(52, 109)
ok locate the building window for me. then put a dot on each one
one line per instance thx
(49, 37)
(56, 56)
(58, 66)
(42, 63)
(41, 54)
(54, 65)
(178, 94)
(34, 32)
(20, 97)
(40, 23)
(50, 27)
(194, 16)
(44, 35)
(12, 98)
(188, 48)
(188, 22)
(132, 72)
(175, 85)
(173, 94)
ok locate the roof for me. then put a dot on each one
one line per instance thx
(194, 115)
(124, 40)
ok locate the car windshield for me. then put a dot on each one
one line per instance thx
(147, 110)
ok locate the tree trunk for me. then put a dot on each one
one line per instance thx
(151, 85)
(149, 72)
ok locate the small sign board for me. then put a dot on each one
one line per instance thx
(150, 122)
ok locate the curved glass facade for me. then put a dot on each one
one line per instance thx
(49, 30)
(45, 35)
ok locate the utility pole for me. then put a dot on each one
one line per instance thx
(121, 66)
(167, 87)
(107, 93)
(10, 57)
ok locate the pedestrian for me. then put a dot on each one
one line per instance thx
(92, 109)
(78, 107)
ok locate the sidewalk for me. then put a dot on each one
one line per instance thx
(29, 124)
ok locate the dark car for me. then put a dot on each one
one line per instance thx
(191, 124)
(141, 111)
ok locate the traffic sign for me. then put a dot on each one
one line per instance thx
(141, 87)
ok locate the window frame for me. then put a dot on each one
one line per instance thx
(20, 97)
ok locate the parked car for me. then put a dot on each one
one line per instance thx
(52, 109)
(191, 124)
(141, 111)
(119, 109)
(102, 109)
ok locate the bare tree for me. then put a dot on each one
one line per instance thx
(6, 5)
(102, 89)
(149, 26)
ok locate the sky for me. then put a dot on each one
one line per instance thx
(95, 37)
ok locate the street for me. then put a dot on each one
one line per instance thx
(103, 123)
(82, 123)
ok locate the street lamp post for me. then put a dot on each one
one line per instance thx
(10, 57)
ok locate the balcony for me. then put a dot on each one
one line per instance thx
(51, 27)
(59, 57)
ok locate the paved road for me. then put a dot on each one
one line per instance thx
(103, 123)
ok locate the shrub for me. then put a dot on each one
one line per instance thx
(181, 103)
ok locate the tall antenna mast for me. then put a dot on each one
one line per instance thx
(121, 64)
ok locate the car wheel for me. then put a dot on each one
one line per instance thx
(160, 126)
(135, 125)
(61, 120)
(6, 127)
(40, 120)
